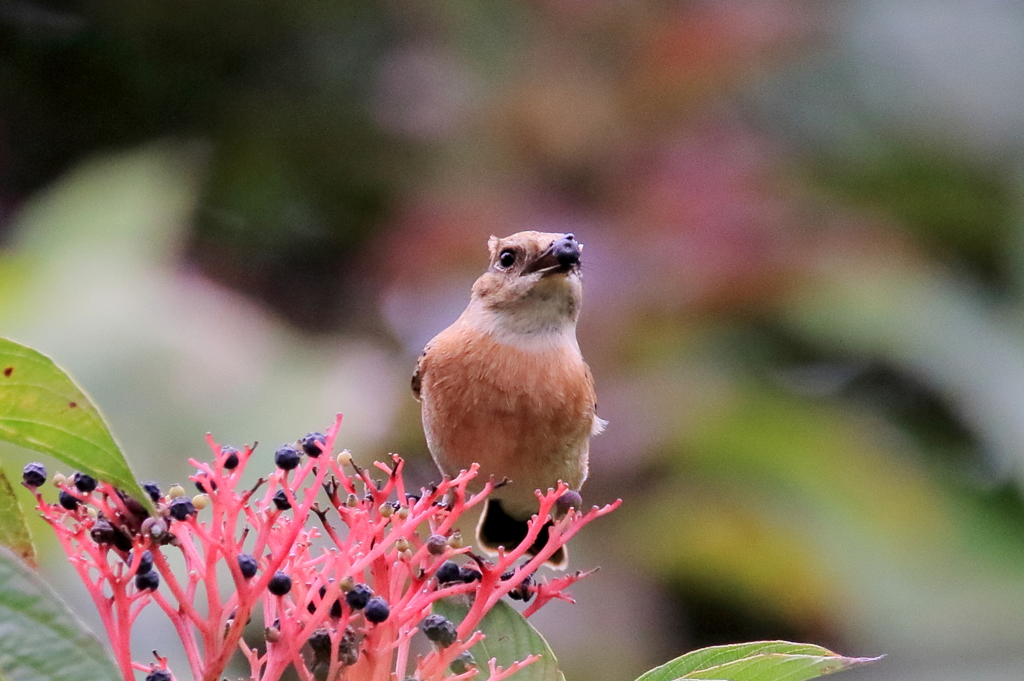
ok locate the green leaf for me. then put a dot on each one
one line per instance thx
(758, 661)
(509, 639)
(14, 532)
(40, 639)
(41, 408)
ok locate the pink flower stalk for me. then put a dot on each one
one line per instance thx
(340, 600)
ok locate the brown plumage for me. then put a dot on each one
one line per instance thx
(505, 386)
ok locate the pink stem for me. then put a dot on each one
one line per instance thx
(185, 633)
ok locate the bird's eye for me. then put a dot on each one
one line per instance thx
(507, 258)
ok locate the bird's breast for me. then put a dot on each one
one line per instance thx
(520, 412)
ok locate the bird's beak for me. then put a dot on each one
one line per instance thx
(562, 256)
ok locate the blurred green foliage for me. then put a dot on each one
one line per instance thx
(963, 212)
(298, 172)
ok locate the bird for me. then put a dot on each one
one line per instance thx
(506, 387)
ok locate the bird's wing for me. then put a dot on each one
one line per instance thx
(417, 376)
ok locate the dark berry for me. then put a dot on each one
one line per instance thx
(570, 499)
(311, 606)
(159, 675)
(67, 500)
(83, 483)
(468, 574)
(33, 475)
(310, 444)
(247, 564)
(335, 607)
(437, 544)
(448, 572)
(153, 490)
(231, 620)
(439, 630)
(376, 610)
(155, 528)
(122, 542)
(287, 458)
(320, 642)
(145, 562)
(181, 508)
(280, 584)
(358, 597)
(229, 456)
(348, 647)
(102, 532)
(281, 501)
(204, 484)
(522, 592)
(147, 581)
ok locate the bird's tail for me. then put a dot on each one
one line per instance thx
(497, 528)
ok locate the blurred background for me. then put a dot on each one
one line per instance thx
(804, 275)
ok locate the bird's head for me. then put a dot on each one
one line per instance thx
(533, 283)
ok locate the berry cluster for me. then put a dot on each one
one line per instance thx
(344, 599)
